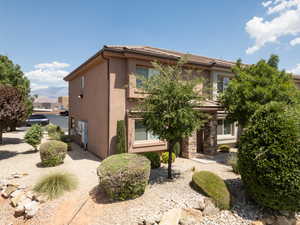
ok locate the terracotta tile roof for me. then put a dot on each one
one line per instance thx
(171, 53)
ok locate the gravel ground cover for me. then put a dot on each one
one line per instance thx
(87, 205)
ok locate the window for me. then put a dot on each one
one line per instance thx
(222, 83)
(225, 127)
(145, 72)
(141, 134)
(82, 82)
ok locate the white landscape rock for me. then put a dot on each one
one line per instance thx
(19, 210)
(8, 190)
(31, 209)
(171, 217)
(210, 209)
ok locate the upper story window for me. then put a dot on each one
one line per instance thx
(82, 82)
(225, 127)
(141, 134)
(145, 72)
(222, 83)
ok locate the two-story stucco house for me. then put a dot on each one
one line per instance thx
(104, 89)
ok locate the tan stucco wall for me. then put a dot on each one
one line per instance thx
(93, 107)
(117, 97)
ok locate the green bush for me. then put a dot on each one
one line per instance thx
(154, 158)
(34, 136)
(232, 161)
(66, 138)
(269, 157)
(55, 184)
(53, 153)
(213, 186)
(224, 148)
(165, 157)
(54, 132)
(176, 149)
(124, 176)
(121, 137)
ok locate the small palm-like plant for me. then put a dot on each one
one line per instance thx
(55, 184)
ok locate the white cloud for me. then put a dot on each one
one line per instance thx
(295, 70)
(47, 76)
(266, 4)
(295, 41)
(285, 22)
(51, 66)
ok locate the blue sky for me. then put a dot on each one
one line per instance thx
(34, 34)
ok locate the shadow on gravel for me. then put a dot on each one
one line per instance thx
(241, 203)
(7, 154)
(4, 154)
(9, 140)
(160, 175)
(77, 153)
(99, 197)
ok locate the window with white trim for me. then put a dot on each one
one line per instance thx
(142, 134)
(222, 83)
(225, 127)
(145, 72)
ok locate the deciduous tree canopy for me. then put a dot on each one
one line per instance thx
(256, 85)
(168, 110)
(12, 106)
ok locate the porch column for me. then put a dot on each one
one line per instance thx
(189, 146)
(210, 135)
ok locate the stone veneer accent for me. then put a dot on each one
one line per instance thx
(189, 145)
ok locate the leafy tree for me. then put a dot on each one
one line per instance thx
(34, 136)
(12, 107)
(11, 74)
(168, 109)
(256, 85)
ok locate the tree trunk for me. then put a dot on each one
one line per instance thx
(1, 130)
(171, 145)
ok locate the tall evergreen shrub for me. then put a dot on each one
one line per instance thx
(121, 137)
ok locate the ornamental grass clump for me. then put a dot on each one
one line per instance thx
(269, 157)
(213, 186)
(124, 176)
(55, 184)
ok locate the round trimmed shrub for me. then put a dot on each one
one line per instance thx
(165, 157)
(53, 153)
(269, 157)
(224, 148)
(124, 176)
(154, 158)
(213, 186)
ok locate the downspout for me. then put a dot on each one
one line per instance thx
(108, 101)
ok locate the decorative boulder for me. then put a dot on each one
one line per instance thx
(124, 176)
(212, 186)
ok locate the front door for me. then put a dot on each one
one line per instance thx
(200, 141)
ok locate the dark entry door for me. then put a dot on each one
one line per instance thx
(200, 141)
